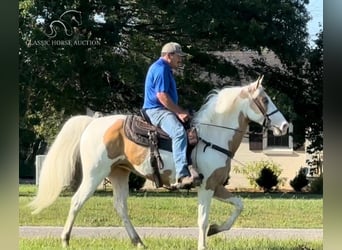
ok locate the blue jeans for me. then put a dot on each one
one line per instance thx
(168, 122)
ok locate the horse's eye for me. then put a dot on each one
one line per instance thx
(265, 100)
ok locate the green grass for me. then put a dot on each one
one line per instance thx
(214, 243)
(278, 210)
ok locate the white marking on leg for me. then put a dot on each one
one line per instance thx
(238, 203)
(121, 192)
(204, 201)
(84, 192)
(90, 181)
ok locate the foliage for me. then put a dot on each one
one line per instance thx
(316, 161)
(253, 170)
(135, 182)
(267, 179)
(313, 97)
(299, 181)
(316, 186)
(298, 91)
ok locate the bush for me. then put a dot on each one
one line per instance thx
(299, 181)
(135, 182)
(267, 179)
(316, 186)
(252, 171)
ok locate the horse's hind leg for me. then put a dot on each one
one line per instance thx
(119, 178)
(84, 192)
(224, 195)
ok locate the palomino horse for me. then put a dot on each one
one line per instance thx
(104, 151)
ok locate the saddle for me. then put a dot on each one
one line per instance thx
(140, 130)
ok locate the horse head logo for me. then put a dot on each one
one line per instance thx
(66, 21)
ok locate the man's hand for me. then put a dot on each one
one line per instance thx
(184, 117)
(164, 99)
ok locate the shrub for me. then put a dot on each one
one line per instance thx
(267, 179)
(135, 182)
(299, 181)
(253, 169)
(316, 186)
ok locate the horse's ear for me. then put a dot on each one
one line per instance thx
(260, 78)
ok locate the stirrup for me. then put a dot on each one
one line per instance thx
(195, 182)
(178, 186)
(193, 172)
(198, 177)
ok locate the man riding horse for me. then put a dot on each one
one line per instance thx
(161, 106)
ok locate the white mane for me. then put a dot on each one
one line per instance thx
(217, 103)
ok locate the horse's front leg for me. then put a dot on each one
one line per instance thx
(204, 201)
(224, 195)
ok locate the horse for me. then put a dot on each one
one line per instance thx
(104, 151)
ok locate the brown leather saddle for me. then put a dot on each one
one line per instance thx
(142, 132)
(138, 130)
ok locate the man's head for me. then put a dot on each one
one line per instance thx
(172, 53)
(172, 48)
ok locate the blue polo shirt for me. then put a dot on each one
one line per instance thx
(159, 78)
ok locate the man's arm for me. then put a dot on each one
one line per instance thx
(167, 102)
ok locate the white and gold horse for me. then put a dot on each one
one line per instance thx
(104, 151)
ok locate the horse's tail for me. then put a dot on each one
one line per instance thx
(60, 163)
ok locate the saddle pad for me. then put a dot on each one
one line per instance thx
(137, 129)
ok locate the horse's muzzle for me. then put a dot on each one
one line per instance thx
(281, 130)
(284, 127)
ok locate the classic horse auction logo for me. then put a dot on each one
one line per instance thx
(67, 21)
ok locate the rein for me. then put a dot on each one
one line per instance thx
(237, 130)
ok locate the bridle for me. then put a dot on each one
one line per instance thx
(265, 125)
(267, 119)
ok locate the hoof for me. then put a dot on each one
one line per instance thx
(213, 229)
(65, 244)
(65, 241)
(141, 246)
(138, 243)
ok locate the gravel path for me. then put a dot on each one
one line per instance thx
(305, 234)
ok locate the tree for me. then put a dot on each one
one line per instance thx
(298, 91)
(133, 32)
(314, 96)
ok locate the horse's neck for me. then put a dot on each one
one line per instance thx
(229, 127)
(219, 130)
(235, 141)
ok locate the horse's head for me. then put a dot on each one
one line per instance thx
(262, 110)
(72, 17)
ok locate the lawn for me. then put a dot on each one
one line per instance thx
(214, 243)
(179, 209)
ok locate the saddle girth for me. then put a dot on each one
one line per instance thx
(155, 159)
